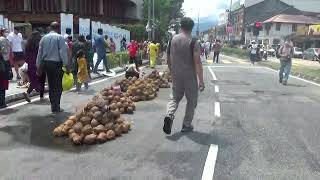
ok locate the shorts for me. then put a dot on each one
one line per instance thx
(18, 56)
(132, 60)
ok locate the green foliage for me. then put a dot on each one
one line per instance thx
(137, 31)
(234, 51)
(118, 59)
(165, 11)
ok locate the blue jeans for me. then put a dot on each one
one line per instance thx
(285, 68)
(101, 57)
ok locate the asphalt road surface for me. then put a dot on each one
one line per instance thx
(247, 127)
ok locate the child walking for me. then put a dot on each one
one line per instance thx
(83, 74)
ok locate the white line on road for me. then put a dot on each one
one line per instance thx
(212, 73)
(47, 96)
(240, 66)
(210, 163)
(217, 109)
(216, 88)
(295, 77)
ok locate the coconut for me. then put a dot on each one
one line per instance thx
(127, 123)
(99, 129)
(102, 137)
(78, 127)
(94, 109)
(118, 129)
(130, 110)
(69, 123)
(70, 131)
(85, 120)
(119, 105)
(110, 134)
(122, 110)
(65, 129)
(97, 115)
(87, 129)
(77, 139)
(109, 126)
(73, 118)
(125, 127)
(94, 123)
(116, 114)
(72, 135)
(90, 139)
(120, 120)
(58, 131)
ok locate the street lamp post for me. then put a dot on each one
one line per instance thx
(149, 16)
(153, 22)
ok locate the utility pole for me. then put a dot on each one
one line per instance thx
(149, 16)
(153, 21)
(230, 18)
(198, 28)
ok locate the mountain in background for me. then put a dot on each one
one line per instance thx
(205, 23)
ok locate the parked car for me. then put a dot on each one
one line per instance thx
(311, 53)
(297, 52)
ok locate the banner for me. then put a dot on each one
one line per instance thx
(94, 27)
(66, 21)
(84, 26)
(6, 23)
(314, 30)
(1, 21)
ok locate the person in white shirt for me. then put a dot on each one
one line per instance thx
(15, 39)
(254, 52)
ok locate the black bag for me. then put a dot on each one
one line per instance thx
(5, 69)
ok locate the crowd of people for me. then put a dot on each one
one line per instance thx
(44, 57)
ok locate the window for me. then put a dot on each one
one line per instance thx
(278, 26)
(294, 27)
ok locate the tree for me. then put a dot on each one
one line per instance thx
(165, 12)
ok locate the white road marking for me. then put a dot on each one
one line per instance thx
(212, 73)
(239, 66)
(208, 170)
(217, 109)
(47, 96)
(295, 77)
(216, 88)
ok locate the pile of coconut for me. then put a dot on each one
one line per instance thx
(100, 120)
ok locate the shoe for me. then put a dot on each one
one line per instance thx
(284, 83)
(18, 77)
(26, 97)
(187, 129)
(108, 71)
(280, 81)
(96, 72)
(42, 99)
(57, 111)
(168, 120)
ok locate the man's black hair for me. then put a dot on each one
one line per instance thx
(68, 31)
(187, 24)
(81, 38)
(100, 31)
(88, 37)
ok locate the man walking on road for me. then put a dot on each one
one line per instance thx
(286, 54)
(101, 46)
(216, 50)
(52, 55)
(183, 56)
(15, 39)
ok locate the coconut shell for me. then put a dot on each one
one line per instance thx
(73, 118)
(78, 127)
(77, 139)
(71, 131)
(127, 123)
(111, 134)
(65, 129)
(120, 120)
(94, 123)
(125, 127)
(118, 130)
(90, 139)
(94, 109)
(87, 129)
(102, 137)
(122, 110)
(69, 123)
(116, 114)
(58, 131)
(99, 129)
(119, 105)
(72, 135)
(85, 120)
(109, 126)
(98, 115)
(130, 110)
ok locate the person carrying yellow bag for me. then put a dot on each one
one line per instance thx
(153, 54)
(67, 80)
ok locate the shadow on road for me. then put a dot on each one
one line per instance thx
(37, 131)
(197, 137)
(8, 111)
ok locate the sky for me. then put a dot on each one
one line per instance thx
(206, 8)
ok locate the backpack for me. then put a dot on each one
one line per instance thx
(192, 44)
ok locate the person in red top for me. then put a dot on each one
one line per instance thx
(133, 49)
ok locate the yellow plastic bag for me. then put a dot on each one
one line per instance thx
(67, 81)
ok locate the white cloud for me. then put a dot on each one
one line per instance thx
(205, 8)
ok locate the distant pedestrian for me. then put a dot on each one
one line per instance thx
(183, 56)
(89, 52)
(286, 54)
(83, 74)
(133, 53)
(153, 54)
(254, 50)
(101, 46)
(123, 44)
(207, 49)
(16, 39)
(5, 67)
(112, 45)
(216, 51)
(52, 55)
(78, 45)
(36, 82)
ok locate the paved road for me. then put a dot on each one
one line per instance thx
(263, 130)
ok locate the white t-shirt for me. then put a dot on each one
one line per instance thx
(16, 42)
(207, 45)
(254, 49)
